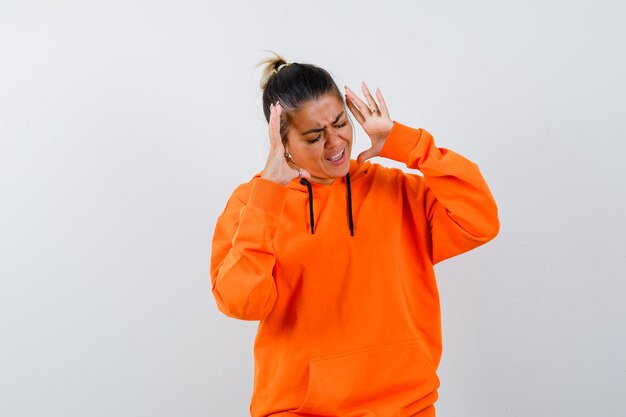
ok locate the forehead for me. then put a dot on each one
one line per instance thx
(317, 113)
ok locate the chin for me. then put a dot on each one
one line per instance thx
(339, 172)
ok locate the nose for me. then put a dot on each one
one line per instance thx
(333, 139)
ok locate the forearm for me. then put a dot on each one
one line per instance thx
(243, 257)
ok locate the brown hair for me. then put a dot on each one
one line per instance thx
(294, 85)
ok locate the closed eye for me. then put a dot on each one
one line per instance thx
(320, 136)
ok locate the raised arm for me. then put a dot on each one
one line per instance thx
(461, 211)
(242, 256)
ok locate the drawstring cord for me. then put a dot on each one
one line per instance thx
(306, 182)
(350, 220)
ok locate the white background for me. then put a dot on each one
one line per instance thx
(125, 126)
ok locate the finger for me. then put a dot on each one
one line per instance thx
(365, 155)
(305, 174)
(368, 96)
(299, 172)
(360, 105)
(274, 128)
(381, 101)
(355, 111)
(272, 122)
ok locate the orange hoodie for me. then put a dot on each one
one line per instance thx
(341, 278)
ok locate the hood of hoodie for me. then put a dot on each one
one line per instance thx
(354, 171)
(303, 185)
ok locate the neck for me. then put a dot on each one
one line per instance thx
(323, 181)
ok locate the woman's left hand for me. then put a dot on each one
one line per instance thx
(373, 117)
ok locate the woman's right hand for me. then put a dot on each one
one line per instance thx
(277, 168)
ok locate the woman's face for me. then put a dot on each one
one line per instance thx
(320, 139)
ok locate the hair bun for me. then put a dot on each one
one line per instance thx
(271, 66)
(281, 66)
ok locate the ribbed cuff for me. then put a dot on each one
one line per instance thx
(268, 195)
(400, 142)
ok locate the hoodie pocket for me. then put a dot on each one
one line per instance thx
(375, 378)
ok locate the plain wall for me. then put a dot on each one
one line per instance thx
(125, 126)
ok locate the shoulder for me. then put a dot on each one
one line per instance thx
(241, 193)
(239, 197)
(394, 177)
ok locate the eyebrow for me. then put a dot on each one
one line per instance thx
(320, 129)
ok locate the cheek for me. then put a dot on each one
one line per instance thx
(307, 152)
(314, 153)
(346, 132)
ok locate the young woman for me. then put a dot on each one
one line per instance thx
(335, 256)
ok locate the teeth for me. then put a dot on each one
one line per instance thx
(336, 157)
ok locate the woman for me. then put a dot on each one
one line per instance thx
(335, 256)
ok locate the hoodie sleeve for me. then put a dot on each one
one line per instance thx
(461, 211)
(242, 256)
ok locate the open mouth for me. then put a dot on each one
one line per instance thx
(338, 157)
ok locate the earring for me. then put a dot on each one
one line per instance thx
(287, 156)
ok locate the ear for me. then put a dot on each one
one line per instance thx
(287, 153)
(286, 143)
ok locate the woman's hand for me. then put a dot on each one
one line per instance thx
(374, 118)
(277, 168)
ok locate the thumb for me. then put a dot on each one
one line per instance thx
(366, 154)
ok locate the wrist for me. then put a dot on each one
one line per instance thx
(273, 179)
